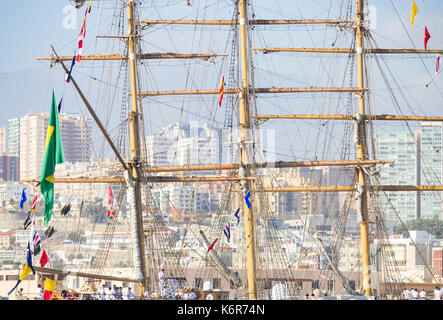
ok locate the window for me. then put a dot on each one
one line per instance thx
(216, 283)
(315, 284)
(267, 284)
(299, 284)
(331, 285)
(198, 283)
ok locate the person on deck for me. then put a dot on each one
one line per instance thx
(422, 294)
(39, 293)
(209, 296)
(192, 295)
(437, 293)
(147, 293)
(130, 295)
(161, 281)
(102, 293)
(407, 294)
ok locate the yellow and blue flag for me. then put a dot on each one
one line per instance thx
(27, 269)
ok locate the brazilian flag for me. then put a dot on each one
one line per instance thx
(53, 155)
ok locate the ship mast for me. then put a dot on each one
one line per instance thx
(244, 156)
(362, 154)
(134, 189)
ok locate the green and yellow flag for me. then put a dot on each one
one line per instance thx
(53, 155)
(414, 11)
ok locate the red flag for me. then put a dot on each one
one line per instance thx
(427, 37)
(110, 207)
(437, 67)
(44, 258)
(212, 245)
(82, 36)
(220, 92)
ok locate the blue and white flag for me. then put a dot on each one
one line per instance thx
(34, 236)
(23, 199)
(237, 215)
(248, 199)
(227, 231)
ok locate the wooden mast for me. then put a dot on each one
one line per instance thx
(245, 159)
(362, 154)
(134, 132)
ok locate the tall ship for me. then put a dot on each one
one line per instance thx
(273, 154)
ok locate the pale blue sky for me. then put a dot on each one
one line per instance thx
(30, 27)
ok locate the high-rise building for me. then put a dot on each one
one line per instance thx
(402, 147)
(75, 134)
(431, 168)
(9, 168)
(184, 144)
(14, 137)
(3, 141)
(157, 147)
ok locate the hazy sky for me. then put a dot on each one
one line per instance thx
(30, 27)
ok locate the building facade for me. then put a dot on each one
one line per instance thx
(14, 137)
(3, 141)
(431, 169)
(403, 148)
(75, 134)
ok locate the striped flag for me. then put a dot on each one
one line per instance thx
(111, 211)
(227, 232)
(49, 289)
(82, 36)
(212, 244)
(34, 237)
(237, 215)
(30, 213)
(220, 91)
